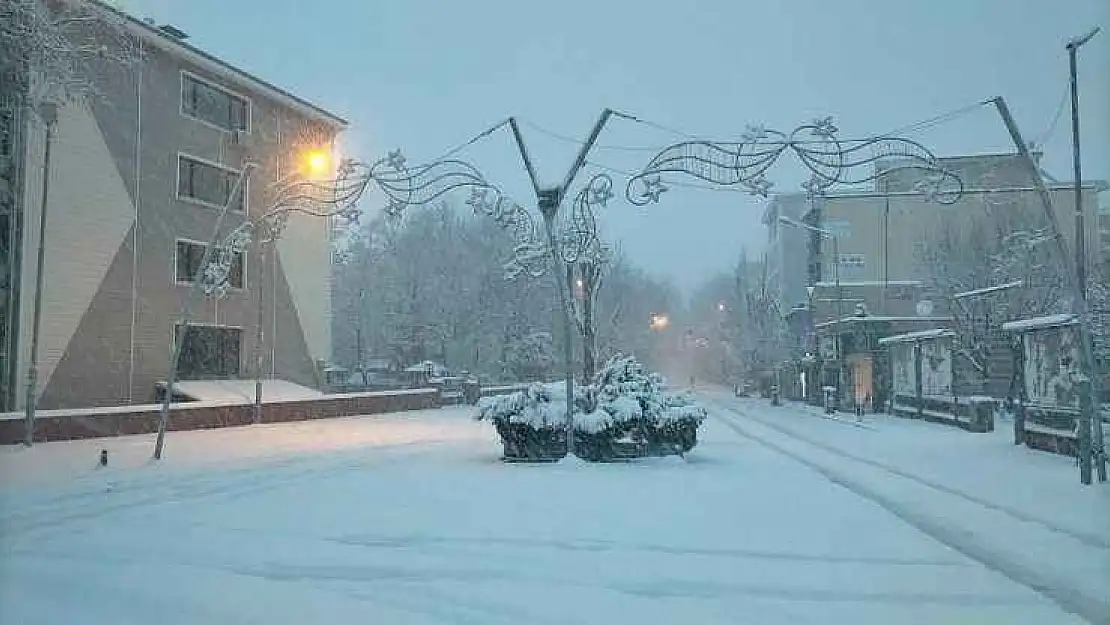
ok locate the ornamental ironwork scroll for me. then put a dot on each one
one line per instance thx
(830, 160)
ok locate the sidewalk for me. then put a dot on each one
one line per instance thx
(988, 466)
(1022, 512)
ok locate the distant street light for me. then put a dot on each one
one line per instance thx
(659, 322)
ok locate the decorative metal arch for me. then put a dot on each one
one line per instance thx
(577, 228)
(830, 160)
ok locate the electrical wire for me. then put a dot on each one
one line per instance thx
(568, 139)
(478, 137)
(1044, 136)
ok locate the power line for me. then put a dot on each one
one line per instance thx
(1044, 136)
(568, 139)
(473, 140)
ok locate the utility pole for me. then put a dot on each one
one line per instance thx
(1079, 302)
(549, 199)
(1097, 451)
(48, 111)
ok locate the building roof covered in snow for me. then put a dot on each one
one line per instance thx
(1040, 323)
(923, 335)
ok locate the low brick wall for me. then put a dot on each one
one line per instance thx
(974, 414)
(55, 425)
(1046, 428)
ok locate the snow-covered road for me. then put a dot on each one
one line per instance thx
(411, 519)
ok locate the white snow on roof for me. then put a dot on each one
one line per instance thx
(877, 318)
(917, 336)
(844, 283)
(988, 290)
(1036, 323)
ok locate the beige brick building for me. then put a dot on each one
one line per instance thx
(136, 182)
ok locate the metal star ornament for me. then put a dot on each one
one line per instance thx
(653, 188)
(478, 200)
(759, 185)
(824, 127)
(754, 133)
(396, 160)
(601, 194)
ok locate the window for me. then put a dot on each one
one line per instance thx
(214, 105)
(208, 352)
(207, 183)
(187, 262)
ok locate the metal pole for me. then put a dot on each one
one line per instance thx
(549, 201)
(49, 114)
(839, 316)
(1080, 238)
(259, 334)
(1079, 303)
(190, 297)
(1097, 451)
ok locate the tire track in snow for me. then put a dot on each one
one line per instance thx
(1094, 610)
(142, 491)
(600, 546)
(1091, 540)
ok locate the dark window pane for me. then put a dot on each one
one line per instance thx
(235, 276)
(209, 352)
(213, 105)
(189, 257)
(208, 183)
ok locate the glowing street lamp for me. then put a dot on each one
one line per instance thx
(659, 322)
(317, 162)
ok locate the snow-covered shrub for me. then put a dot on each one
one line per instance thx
(530, 422)
(631, 403)
(625, 405)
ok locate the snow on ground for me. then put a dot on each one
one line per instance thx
(411, 519)
(1020, 511)
(238, 390)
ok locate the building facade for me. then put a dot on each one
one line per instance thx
(873, 266)
(788, 272)
(138, 175)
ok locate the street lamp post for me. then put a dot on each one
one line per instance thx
(549, 200)
(48, 112)
(1088, 421)
(1080, 239)
(1095, 453)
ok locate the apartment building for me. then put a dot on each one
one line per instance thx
(788, 271)
(883, 235)
(137, 178)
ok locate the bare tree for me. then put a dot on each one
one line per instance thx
(50, 49)
(991, 267)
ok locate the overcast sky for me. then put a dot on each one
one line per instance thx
(426, 75)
